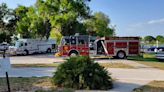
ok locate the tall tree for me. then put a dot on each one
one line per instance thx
(68, 14)
(23, 22)
(32, 23)
(65, 16)
(160, 38)
(7, 23)
(149, 39)
(99, 25)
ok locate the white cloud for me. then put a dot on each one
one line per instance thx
(151, 22)
(156, 21)
(152, 27)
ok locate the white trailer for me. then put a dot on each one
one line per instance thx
(30, 46)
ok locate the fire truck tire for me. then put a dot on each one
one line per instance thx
(25, 52)
(48, 50)
(73, 53)
(121, 55)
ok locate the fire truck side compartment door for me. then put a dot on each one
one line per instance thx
(110, 48)
(133, 47)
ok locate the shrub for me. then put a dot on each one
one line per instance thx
(137, 90)
(82, 73)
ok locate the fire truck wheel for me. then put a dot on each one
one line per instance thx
(121, 55)
(73, 53)
(25, 52)
(48, 50)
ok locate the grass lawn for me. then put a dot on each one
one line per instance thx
(148, 59)
(36, 65)
(116, 65)
(159, 65)
(106, 65)
(144, 57)
(154, 86)
(32, 84)
(25, 84)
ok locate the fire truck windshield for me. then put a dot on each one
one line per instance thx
(65, 41)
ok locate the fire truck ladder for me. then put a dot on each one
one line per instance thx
(105, 49)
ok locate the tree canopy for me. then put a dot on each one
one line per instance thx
(7, 23)
(149, 39)
(99, 25)
(64, 17)
(68, 15)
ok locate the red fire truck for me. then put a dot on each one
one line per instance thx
(119, 47)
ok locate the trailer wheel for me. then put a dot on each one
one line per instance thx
(73, 53)
(121, 55)
(48, 50)
(25, 52)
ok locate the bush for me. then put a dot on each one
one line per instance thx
(82, 73)
(137, 90)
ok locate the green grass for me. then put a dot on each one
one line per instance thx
(154, 86)
(24, 84)
(36, 65)
(106, 65)
(116, 65)
(145, 57)
(149, 60)
(158, 65)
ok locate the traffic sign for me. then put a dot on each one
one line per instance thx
(5, 64)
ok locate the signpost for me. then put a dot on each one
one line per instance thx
(5, 66)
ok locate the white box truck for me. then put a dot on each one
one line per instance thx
(30, 46)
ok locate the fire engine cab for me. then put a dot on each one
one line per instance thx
(119, 47)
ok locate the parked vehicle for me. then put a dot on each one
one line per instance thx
(160, 55)
(155, 49)
(160, 49)
(4, 46)
(120, 47)
(151, 49)
(30, 46)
